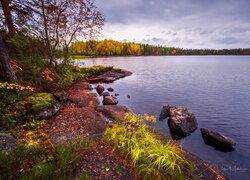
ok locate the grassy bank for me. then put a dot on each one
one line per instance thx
(36, 157)
(152, 158)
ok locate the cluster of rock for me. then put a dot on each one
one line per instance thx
(107, 98)
(182, 122)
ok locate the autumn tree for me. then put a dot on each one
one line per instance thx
(59, 22)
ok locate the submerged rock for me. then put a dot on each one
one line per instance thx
(100, 89)
(108, 100)
(105, 94)
(182, 121)
(218, 140)
(110, 89)
(7, 143)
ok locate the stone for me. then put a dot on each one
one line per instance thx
(47, 113)
(105, 94)
(182, 121)
(110, 89)
(165, 111)
(88, 99)
(100, 89)
(109, 77)
(116, 94)
(108, 100)
(7, 143)
(113, 112)
(62, 96)
(218, 140)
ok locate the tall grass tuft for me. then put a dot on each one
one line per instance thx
(152, 158)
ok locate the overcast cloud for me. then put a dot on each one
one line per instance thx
(179, 23)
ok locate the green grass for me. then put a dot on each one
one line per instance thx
(81, 57)
(152, 158)
(40, 101)
(68, 74)
(37, 158)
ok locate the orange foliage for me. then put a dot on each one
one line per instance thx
(48, 75)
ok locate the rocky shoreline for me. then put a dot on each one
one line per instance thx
(82, 115)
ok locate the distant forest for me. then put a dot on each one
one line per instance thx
(115, 48)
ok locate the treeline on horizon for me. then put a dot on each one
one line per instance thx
(115, 48)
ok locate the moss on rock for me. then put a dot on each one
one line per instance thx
(40, 101)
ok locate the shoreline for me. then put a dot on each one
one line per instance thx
(203, 168)
(84, 116)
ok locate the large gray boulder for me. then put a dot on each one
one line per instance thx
(7, 143)
(182, 121)
(218, 140)
(109, 100)
(47, 113)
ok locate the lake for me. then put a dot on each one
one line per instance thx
(215, 88)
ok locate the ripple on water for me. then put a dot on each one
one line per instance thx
(216, 88)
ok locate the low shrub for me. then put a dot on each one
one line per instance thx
(12, 110)
(36, 158)
(39, 101)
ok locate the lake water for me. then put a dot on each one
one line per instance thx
(215, 88)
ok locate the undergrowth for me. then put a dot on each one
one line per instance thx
(152, 158)
(36, 158)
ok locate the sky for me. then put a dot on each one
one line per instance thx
(214, 24)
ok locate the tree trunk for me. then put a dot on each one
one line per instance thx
(8, 73)
(7, 15)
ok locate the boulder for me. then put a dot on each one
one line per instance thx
(47, 113)
(62, 96)
(86, 86)
(112, 112)
(110, 89)
(116, 94)
(7, 143)
(182, 121)
(218, 140)
(109, 77)
(100, 89)
(108, 100)
(87, 99)
(105, 94)
(165, 111)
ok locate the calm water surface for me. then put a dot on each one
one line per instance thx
(215, 88)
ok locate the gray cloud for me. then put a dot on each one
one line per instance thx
(186, 23)
(228, 40)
